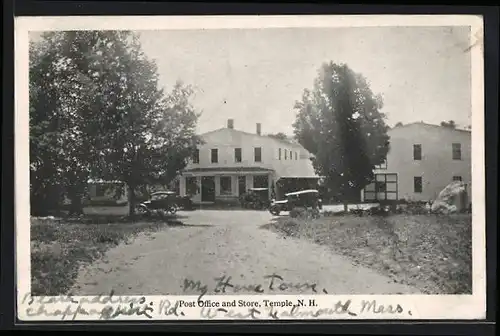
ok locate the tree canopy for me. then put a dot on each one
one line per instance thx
(340, 123)
(97, 111)
(449, 124)
(279, 135)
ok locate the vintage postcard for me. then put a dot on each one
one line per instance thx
(250, 168)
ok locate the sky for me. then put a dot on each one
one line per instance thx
(256, 75)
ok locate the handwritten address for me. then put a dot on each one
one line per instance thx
(110, 306)
(208, 309)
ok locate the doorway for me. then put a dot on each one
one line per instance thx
(242, 185)
(208, 189)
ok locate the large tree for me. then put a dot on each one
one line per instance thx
(60, 99)
(149, 134)
(279, 136)
(99, 109)
(340, 123)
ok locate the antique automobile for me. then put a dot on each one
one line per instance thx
(255, 198)
(278, 206)
(160, 203)
(298, 203)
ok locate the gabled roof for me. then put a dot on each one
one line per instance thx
(290, 143)
(420, 123)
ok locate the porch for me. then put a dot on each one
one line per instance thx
(223, 185)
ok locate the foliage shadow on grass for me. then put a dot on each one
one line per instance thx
(60, 246)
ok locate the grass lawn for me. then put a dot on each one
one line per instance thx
(432, 253)
(59, 247)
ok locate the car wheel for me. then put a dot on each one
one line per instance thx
(140, 210)
(275, 212)
(173, 209)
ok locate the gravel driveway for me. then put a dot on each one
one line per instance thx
(229, 246)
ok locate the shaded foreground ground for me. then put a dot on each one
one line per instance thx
(210, 247)
(59, 247)
(432, 253)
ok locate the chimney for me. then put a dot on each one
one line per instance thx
(230, 123)
(258, 128)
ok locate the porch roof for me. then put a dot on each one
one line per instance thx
(227, 169)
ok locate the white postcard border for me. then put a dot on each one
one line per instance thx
(421, 306)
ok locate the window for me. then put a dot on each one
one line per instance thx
(279, 153)
(242, 185)
(237, 155)
(225, 185)
(285, 154)
(215, 155)
(383, 165)
(196, 156)
(384, 187)
(457, 178)
(158, 197)
(258, 154)
(296, 156)
(191, 185)
(380, 186)
(417, 184)
(260, 181)
(417, 152)
(457, 151)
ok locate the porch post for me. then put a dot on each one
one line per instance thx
(182, 185)
(269, 185)
(217, 185)
(234, 185)
(249, 182)
(278, 190)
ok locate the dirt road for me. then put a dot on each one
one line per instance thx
(227, 251)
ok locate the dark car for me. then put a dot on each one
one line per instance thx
(255, 198)
(298, 202)
(163, 202)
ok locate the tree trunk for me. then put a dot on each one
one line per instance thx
(346, 206)
(131, 200)
(45, 202)
(76, 206)
(39, 205)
